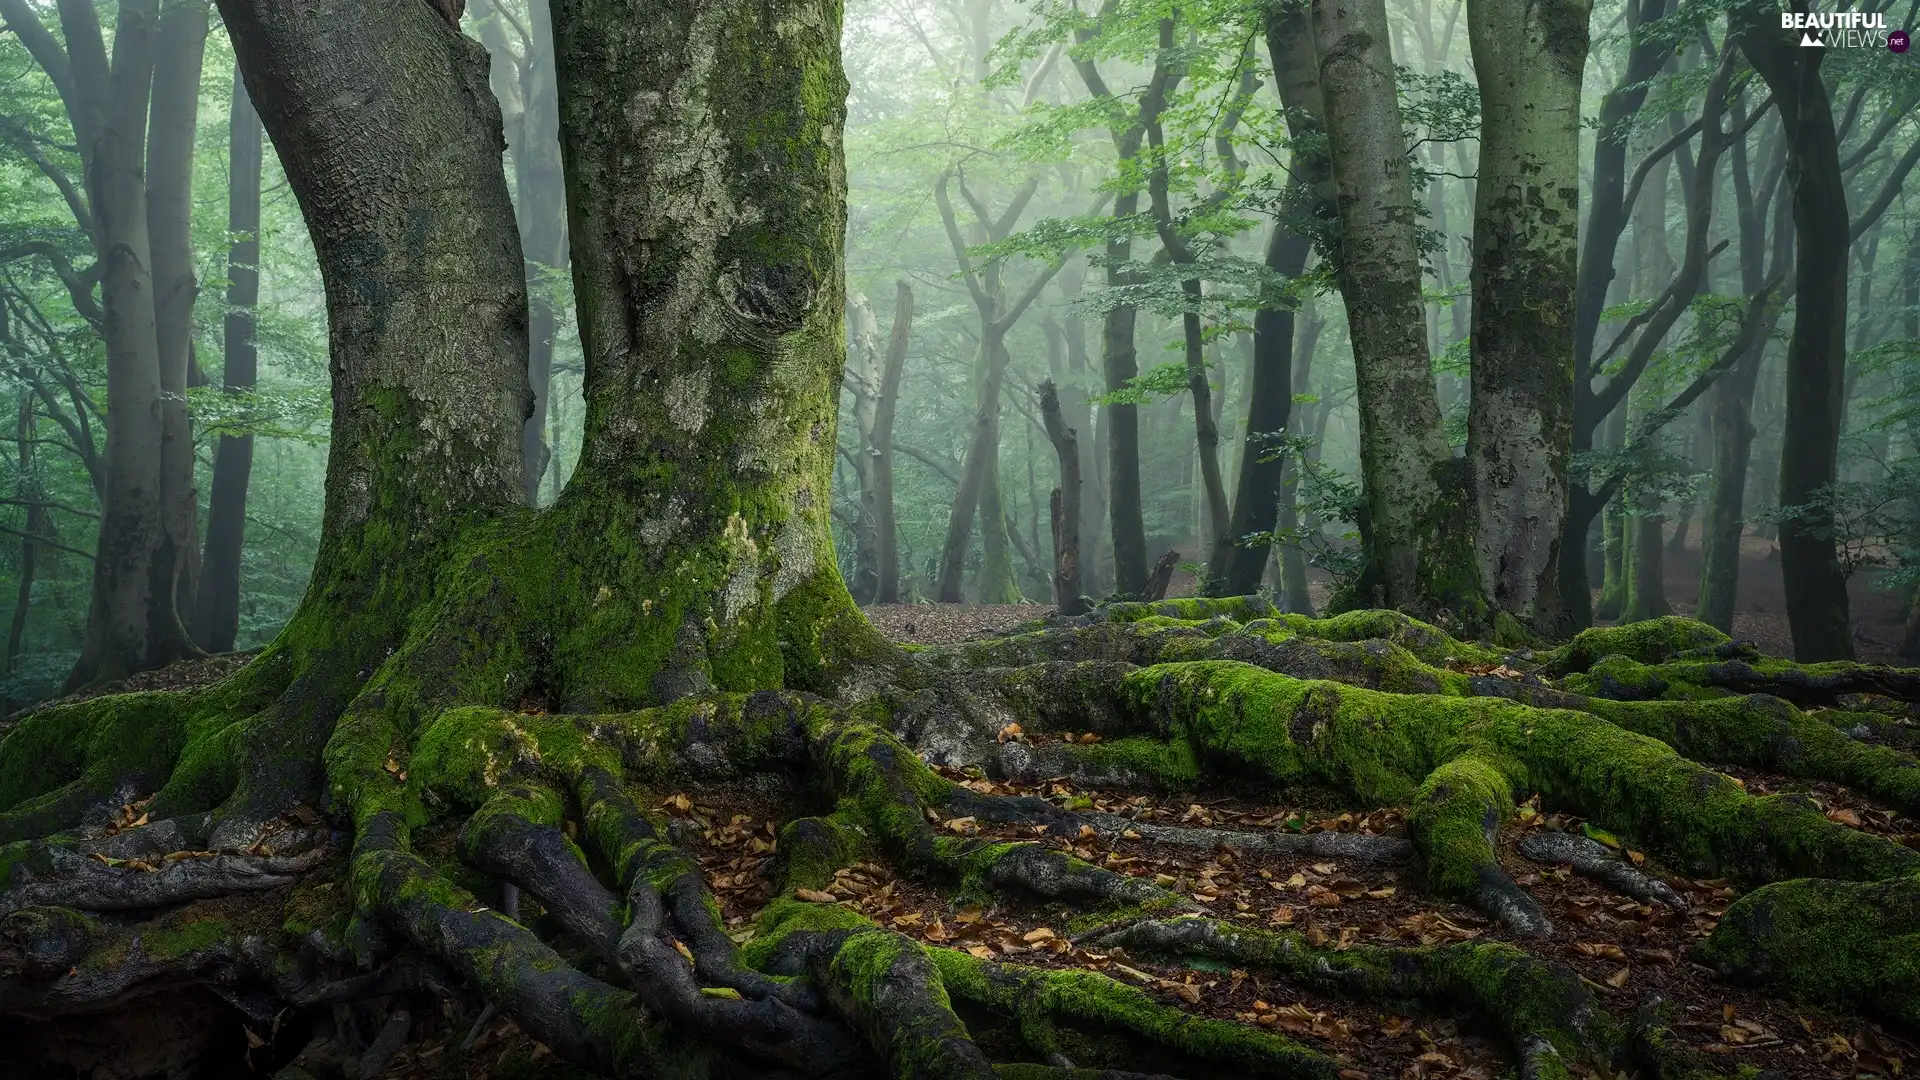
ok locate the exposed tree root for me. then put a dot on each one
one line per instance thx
(1545, 1013)
(1592, 859)
(628, 967)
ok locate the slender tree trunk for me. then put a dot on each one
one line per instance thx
(180, 46)
(25, 438)
(217, 613)
(1910, 328)
(1418, 558)
(1261, 487)
(1607, 217)
(880, 446)
(1528, 58)
(1723, 523)
(1295, 597)
(1816, 587)
(1614, 529)
(1065, 503)
(122, 634)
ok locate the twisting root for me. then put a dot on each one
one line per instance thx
(1592, 859)
(1546, 1013)
(1181, 693)
(1042, 1001)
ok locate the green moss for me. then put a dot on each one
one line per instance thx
(1650, 641)
(1091, 1002)
(1453, 819)
(1851, 945)
(173, 942)
(1425, 641)
(810, 849)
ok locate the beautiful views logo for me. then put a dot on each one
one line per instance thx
(1842, 29)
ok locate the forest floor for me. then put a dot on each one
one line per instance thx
(1760, 610)
(1621, 948)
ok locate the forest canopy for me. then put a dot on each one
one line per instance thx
(959, 538)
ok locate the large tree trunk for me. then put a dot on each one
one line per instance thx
(1817, 353)
(714, 358)
(1419, 555)
(390, 140)
(1528, 58)
(1262, 475)
(180, 46)
(217, 611)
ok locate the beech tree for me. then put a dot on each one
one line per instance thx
(434, 786)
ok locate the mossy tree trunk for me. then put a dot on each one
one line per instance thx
(1528, 59)
(1419, 556)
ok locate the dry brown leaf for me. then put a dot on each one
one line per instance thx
(814, 896)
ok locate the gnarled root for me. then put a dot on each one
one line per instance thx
(1545, 1012)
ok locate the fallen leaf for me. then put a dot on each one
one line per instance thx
(1041, 934)
(1011, 731)
(814, 896)
(1618, 979)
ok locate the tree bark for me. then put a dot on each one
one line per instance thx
(122, 634)
(1258, 495)
(180, 46)
(1816, 588)
(1065, 503)
(217, 613)
(1607, 217)
(875, 380)
(714, 342)
(1528, 59)
(1119, 359)
(1417, 559)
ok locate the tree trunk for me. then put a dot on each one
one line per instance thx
(880, 446)
(36, 522)
(1615, 532)
(1607, 217)
(1295, 596)
(122, 634)
(180, 46)
(1528, 59)
(217, 613)
(1258, 490)
(1723, 523)
(1419, 558)
(713, 360)
(1065, 503)
(874, 376)
(1816, 587)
